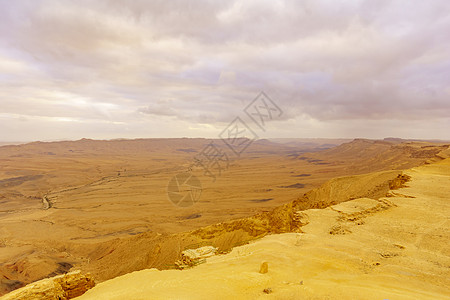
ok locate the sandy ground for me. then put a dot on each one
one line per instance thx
(391, 248)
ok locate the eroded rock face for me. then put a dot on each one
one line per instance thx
(61, 287)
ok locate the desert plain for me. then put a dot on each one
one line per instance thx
(376, 214)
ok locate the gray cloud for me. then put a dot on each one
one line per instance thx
(123, 66)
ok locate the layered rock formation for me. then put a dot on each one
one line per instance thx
(192, 257)
(62, 287)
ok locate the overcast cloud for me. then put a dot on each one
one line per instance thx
(112, 69)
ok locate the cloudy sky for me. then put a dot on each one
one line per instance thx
(150, 68)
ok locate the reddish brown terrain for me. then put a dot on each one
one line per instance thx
(102, 206)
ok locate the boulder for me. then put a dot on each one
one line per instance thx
(264, 268)
(61, 287)
(192, 257)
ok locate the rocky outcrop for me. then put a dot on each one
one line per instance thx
(61, 287)
(300, 219)
(192, 257)
(46, 204)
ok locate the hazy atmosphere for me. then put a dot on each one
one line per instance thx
(127, 69)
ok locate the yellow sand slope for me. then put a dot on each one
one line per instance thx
(392, 248)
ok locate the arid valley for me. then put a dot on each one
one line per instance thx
(107, 212)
